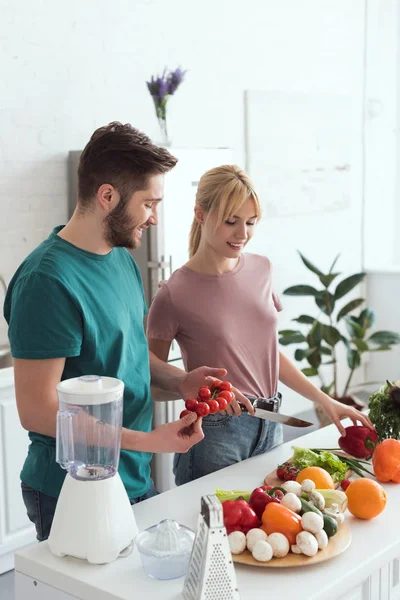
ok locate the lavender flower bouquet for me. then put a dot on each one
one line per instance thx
(161, 88)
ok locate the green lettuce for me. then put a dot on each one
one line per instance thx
(303, 457)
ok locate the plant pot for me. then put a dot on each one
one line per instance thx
(324, 419)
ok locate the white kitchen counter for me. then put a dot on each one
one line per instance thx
(367, 570)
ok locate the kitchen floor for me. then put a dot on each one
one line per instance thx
(7, 586)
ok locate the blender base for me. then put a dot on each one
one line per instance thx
(93, 520)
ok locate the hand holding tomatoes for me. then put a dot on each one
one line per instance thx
(210, 399)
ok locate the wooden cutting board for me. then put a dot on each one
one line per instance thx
(272, 479)
(337, 544)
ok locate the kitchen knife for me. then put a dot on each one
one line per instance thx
(262, 407)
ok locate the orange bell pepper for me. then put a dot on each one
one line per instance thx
(386, 461)
(279, 519)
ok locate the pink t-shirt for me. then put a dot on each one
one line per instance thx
(227, 321)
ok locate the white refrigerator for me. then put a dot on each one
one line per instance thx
(164, 248)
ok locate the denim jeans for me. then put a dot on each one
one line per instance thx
(40, 508)
(227, 440)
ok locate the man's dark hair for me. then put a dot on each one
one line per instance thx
(121, 156)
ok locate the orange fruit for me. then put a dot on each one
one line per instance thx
(366, 497)
(321, 478)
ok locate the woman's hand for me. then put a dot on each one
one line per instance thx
(234, 409)
(337, 411)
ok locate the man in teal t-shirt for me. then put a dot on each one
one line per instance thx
(75, 307)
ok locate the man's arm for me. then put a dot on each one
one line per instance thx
(37, 404)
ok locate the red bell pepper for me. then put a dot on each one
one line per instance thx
(239, 516)
(262, 496)
(359, 441)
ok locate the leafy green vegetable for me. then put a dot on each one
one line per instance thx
(385, 414)
(304, 457)
(224, 495)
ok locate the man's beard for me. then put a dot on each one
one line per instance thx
(119, 227)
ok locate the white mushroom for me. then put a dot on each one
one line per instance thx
(237, 542)
(322, 539)
(279, 544)
(308, 486)
(262, 551)
(335, 514)
(312, 522)
(295, 549)
(307, 543)
(253, 536)
(292, 486)
(317, 499)
(292, 502)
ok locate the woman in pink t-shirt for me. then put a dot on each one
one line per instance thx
(222, 310)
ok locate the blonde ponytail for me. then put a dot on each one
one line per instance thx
(223, 189)
(194, 237)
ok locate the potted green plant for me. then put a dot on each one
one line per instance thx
(336, 323)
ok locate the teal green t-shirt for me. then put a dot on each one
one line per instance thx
(88, 308)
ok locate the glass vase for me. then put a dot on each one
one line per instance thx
(164, 137)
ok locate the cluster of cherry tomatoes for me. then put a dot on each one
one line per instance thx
(210, 399)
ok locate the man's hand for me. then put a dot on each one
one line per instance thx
(178, 436)
(195, 379)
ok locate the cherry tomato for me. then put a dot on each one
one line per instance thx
(216, 384)
(191, 404)
(184, 413)
(204, 393)
(222, 403)
(225, 385)
(202, 409)
(214, 406)
(227, 395)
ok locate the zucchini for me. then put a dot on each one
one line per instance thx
(307, 507)
(330, 526)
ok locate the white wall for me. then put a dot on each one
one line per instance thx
(70, 67)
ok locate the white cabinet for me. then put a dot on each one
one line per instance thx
(16, 531)
(383, 584)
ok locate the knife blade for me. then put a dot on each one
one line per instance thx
(279, 418)
(272, 415)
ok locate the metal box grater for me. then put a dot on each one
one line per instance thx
(211, 574)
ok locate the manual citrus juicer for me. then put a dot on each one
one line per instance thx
(94, 519)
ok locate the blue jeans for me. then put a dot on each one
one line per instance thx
(41, 508)
(227, 440)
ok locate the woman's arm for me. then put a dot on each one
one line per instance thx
(161, 349)
(291, 376)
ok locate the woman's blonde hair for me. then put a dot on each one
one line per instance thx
(223, 189)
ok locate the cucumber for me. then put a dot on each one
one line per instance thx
(330, 525)
(307, 507)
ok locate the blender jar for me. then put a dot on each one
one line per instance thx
(89, 425)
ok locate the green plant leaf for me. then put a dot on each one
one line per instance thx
(352, 305)
(348, 284)
(355, 330)
(331, 335)
(314, 359)
(306, 319)
(346, 342)
(303, 353)
(326, 280)
(314, 336)
(333, 265)
(327, 388)
(367, 318)
(381, 348)
(300, 290)
(310, 266)
(353, 359)
(329, 362)
(288, 331)
(384, 337)
(361, 345)
(296, 338)
(310, 371)
(325, 301)
(325, 350)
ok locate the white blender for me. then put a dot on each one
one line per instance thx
(93, 519)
